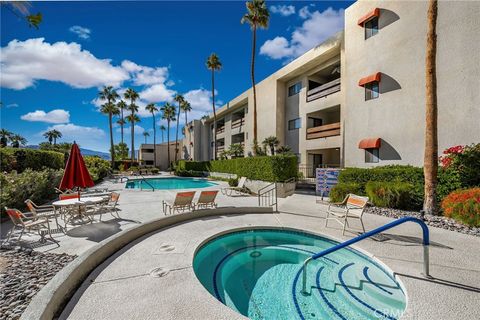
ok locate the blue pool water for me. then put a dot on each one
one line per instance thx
(257, 273)
(168, 183)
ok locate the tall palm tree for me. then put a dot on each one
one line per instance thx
(52, 135)
(430, 162)
(214, 64)
(110, 109)
(162, 128)
(186, 107)
(169, 115)
(257, 16)
(132, 95)
(5, 136)
(121, 105)
(145, 135)
(179, 99)
(152, 108)
(17, 140)
(132, 119)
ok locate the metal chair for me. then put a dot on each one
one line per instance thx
(352, 207)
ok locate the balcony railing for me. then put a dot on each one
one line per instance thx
(238, 123)
(220, 129)
(323, 90)
(220, 148)
(328, 130)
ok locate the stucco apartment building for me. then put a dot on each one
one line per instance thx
(358, 99)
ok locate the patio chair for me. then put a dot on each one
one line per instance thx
(20, 221)
(45, 211)
(239, 189)
(63, 192)
(183, 201)
(352, 207)
(207, 199)
(66, 196)
(110, 206)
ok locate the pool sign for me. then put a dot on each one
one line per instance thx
(326, 179)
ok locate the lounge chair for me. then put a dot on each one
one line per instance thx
(352, 207)
(183, 201)
(239, 189)
(207, 199)
(20, 221)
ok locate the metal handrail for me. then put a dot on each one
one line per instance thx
(426, 243)
(143, 178)
(264, 194)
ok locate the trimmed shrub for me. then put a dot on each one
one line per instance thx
(188, 173)
(464, 206)
(97, 167)
(391, 194)
(35, 185)
(19, 159)
(340, 191)
(233, 182)
(274, 168)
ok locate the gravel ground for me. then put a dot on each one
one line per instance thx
(434, 221)
(23, 273)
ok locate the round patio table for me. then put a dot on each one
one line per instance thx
(63, 204)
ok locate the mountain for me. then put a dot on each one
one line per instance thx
(85, 152)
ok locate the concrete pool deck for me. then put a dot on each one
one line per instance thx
(122, 287)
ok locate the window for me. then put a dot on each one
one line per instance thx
(371, 155)
(316, 122)
(371, 27)
(294, 124)
(293, 90)
(371, 90)
(147, 150)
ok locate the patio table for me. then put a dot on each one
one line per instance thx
(83, 201)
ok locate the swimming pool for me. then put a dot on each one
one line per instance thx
(258, 273)
(168, 183)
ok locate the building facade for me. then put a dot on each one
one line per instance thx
(358, 99)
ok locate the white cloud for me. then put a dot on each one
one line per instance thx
(12, 105)
(24, 62)
(317, 27)
(201, 102)
(157, 93)
(142, 75)
(304, 12)
(54, 116)
(126, 130)
(283, 10)
(81, 32)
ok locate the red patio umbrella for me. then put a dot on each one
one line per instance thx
(76, 174)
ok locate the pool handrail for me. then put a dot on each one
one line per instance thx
(426, 243)
(143, 178)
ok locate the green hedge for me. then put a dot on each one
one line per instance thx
(39, 186)
(275, 168)
(20, 159)
(354, 180)
(391, 194)
(97, 167)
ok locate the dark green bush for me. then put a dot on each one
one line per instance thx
(19, 159)
(233, 182)
(340, 191)
(188, 173)
(391, 194)
(274, 168)
(35, 185)
(97, 167)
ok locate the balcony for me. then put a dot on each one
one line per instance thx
(323, 90)
(238, 123)
(328, 130)
(220, 129)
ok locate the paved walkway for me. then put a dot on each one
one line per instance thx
(121, 288)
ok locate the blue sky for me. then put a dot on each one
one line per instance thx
(50, 77)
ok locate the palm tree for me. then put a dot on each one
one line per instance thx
(152, 108)
(162, 128)
(52, 135)
(214, 64)
(271, 142)
(121, 105)
(17, 140)
(110, 109)
(186, 107)
(132, 95)
(5, 136)
(430, 162)
(22, 10)
(169, 115)
(257, 16)
(146, 134)
(132, 119)
(180, 100)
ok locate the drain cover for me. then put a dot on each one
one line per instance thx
(159, 272)
(166, 247)
(255, 254)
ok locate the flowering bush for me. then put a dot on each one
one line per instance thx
(465, 162)
(464, 206)
(450, 154)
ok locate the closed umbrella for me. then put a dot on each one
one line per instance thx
(76, 173)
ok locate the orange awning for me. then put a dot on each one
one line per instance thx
(370, 143)
(371, 78)
(372, 14)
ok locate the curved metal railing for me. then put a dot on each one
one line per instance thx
(426, 243)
